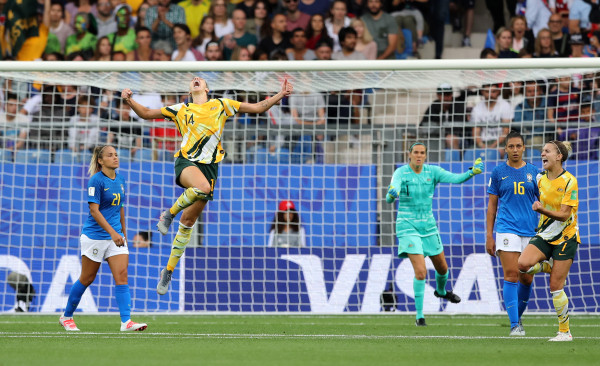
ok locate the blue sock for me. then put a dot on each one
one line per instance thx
(440, 283)
(419, 287)
(75, 294)
(124, 302)
(523, 292)
(509, 292)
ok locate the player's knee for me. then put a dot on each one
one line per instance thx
(188, 221)
(420, 275)
(202, 189)
(511, 275)
(121, 276)
(556, 284)
(524, 265)
(87, 280)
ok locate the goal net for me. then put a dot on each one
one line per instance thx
(327, 153)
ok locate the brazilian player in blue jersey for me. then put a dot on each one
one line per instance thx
(413, 186)
(103, 238)
(512, 189)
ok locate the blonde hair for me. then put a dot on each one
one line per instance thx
(564, 148)
(95, 167)
(366, 37)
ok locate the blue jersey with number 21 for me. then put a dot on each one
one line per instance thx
(110, 195)
(516, 190)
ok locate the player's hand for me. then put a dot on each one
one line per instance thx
(126, 94)
(118, 239)
(286, 88)
(490, 246)
(536, 206)
(477, 168)
(392, 191)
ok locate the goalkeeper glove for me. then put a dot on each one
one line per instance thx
(477, 168)
(392, 192)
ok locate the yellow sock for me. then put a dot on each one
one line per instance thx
(561, 304)
(182, 238)
(187, 198)
(537, 268)
(546, 268)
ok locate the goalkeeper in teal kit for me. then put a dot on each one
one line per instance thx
(418, 237)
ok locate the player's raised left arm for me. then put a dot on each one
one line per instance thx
(140, 110)
(261, 107)
(444, 176)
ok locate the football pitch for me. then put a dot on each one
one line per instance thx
(296, 340)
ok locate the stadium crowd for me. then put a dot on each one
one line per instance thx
(205, 30)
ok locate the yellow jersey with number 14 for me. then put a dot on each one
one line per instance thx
(201, 126)
(554, 193)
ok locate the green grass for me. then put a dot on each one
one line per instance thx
(173, 340)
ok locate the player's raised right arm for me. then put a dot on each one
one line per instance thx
(140, 110)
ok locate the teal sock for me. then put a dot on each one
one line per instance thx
(419, 287)
(440, 283)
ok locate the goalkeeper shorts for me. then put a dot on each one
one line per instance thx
(413, 244)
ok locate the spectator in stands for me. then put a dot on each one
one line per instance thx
(83, 40)
(247, 6)
(544, 45)
(337, 21)
(277, 37)
(58, 26)
(383, 28)
(308, 108)
(103, 51)
(312, 7)
(491, 118)
(343, 108)
(579, 17)
(324, 51)
(586, 139)
(561, 39)
(445, 110)
(162, 51)
(522, 37)
(438, 14)
(299, 50)
(488, 53)
(593, 49)
(123, 39)
(161, 19)
(195, 11)
(496, 10)
(294, 17)
(348, 39)
(504, 44)
(143, 239)
(537, 15)
(84, 130)
(143, 51)
(259, 23)
(241, 54)
(563, 101)
(533, 109)
(123, 134)
(72, 8)
(183, 40)
(458, 8)
(576, 45)
(141, 14)
(409, 17)
(213, 52)
(239, 37)
(286, 230)
(365, 43)
(106, 20)
(315, 32)
(207, 34)
(223, 25)
(14, 132)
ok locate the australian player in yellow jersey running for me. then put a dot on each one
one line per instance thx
(200, 122)
(553, 248)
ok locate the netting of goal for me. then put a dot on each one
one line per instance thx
(330, 149)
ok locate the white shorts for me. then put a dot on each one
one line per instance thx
(99, 250)
(511, 242)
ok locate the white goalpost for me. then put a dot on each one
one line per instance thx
(330, 149)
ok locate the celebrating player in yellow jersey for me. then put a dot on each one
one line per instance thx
(200, 122)
(553, 248)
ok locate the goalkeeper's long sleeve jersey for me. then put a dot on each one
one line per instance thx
(415, 196)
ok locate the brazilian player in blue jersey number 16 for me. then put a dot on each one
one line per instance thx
(103, 238)
(512, 190)
(413, 186)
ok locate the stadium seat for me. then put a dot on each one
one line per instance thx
(5, 156)
(124, 155)
(66, 156)
(452, 155)
(143, 155)
(485, 154)
(33, 156)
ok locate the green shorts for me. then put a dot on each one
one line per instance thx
(560, 252)
(210, 171)
(413, 244)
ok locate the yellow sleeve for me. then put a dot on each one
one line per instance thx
(231, 106)
(170, 112)
(570, 197)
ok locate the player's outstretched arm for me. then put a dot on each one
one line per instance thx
(140, 110)
(444, 176)
(261, 107)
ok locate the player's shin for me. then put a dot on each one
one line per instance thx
(75, 294)
(523, 293)
(187, 198)
(419, 288)
(182, 238)
(561, 305)
(509, 292)
(440, 283)
(123, 302)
